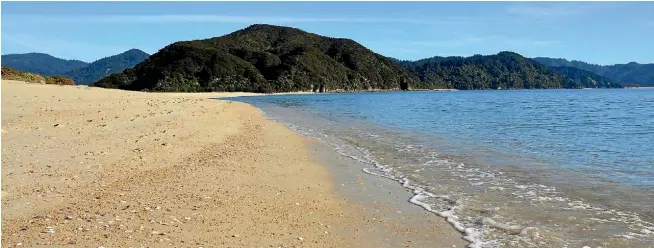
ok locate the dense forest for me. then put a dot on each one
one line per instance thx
(264, 58)
(40, 63)
(267, 58)
(626, 74)
(505, 70)
(577, 78)
(106, 66)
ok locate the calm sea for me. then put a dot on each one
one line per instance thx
(534, 168)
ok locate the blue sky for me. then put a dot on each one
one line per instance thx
(595, 32)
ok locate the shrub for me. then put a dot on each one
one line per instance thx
(11, 74)
(60, 80)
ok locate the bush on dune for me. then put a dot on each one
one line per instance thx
(11, 74)
(60, 80)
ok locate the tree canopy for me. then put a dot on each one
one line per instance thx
(40, 63)
(627, 74)
(267, 58)
(264, 58)
(505, 70)
(106, 66)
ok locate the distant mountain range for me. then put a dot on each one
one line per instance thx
(41, 63)
(627, 74)
(268, 58)
(80, 72)
(505, 70)
(107, 66)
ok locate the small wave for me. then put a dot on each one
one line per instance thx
(480, 226)
(471, 234)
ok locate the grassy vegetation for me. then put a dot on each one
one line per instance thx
(11, 74)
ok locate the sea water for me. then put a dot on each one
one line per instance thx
(533, 168)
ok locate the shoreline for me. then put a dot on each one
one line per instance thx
(389, 204)
(89, 167)
(489, 195)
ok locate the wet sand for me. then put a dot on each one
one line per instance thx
(90, 167)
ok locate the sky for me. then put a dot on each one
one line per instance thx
(596, 32)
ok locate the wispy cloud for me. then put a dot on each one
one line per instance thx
(469, 41)
(399, 50)
(550, 10)
(450, 43)
(531, 43)
(393, 32)
(213, 19)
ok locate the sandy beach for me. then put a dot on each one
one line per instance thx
(90, 167)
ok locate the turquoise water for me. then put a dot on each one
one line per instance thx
(538, 168)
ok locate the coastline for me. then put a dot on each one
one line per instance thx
(91, 167)
(489, 191)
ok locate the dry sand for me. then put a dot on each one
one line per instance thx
(89, 167)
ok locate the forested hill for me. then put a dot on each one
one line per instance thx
(626, 74)
(106, 66)
(40, 63)
(81, 72)
(264, 58)
(267, 58)
(578, 78)
(505, 70)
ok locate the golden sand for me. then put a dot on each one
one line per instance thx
(90, 167)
